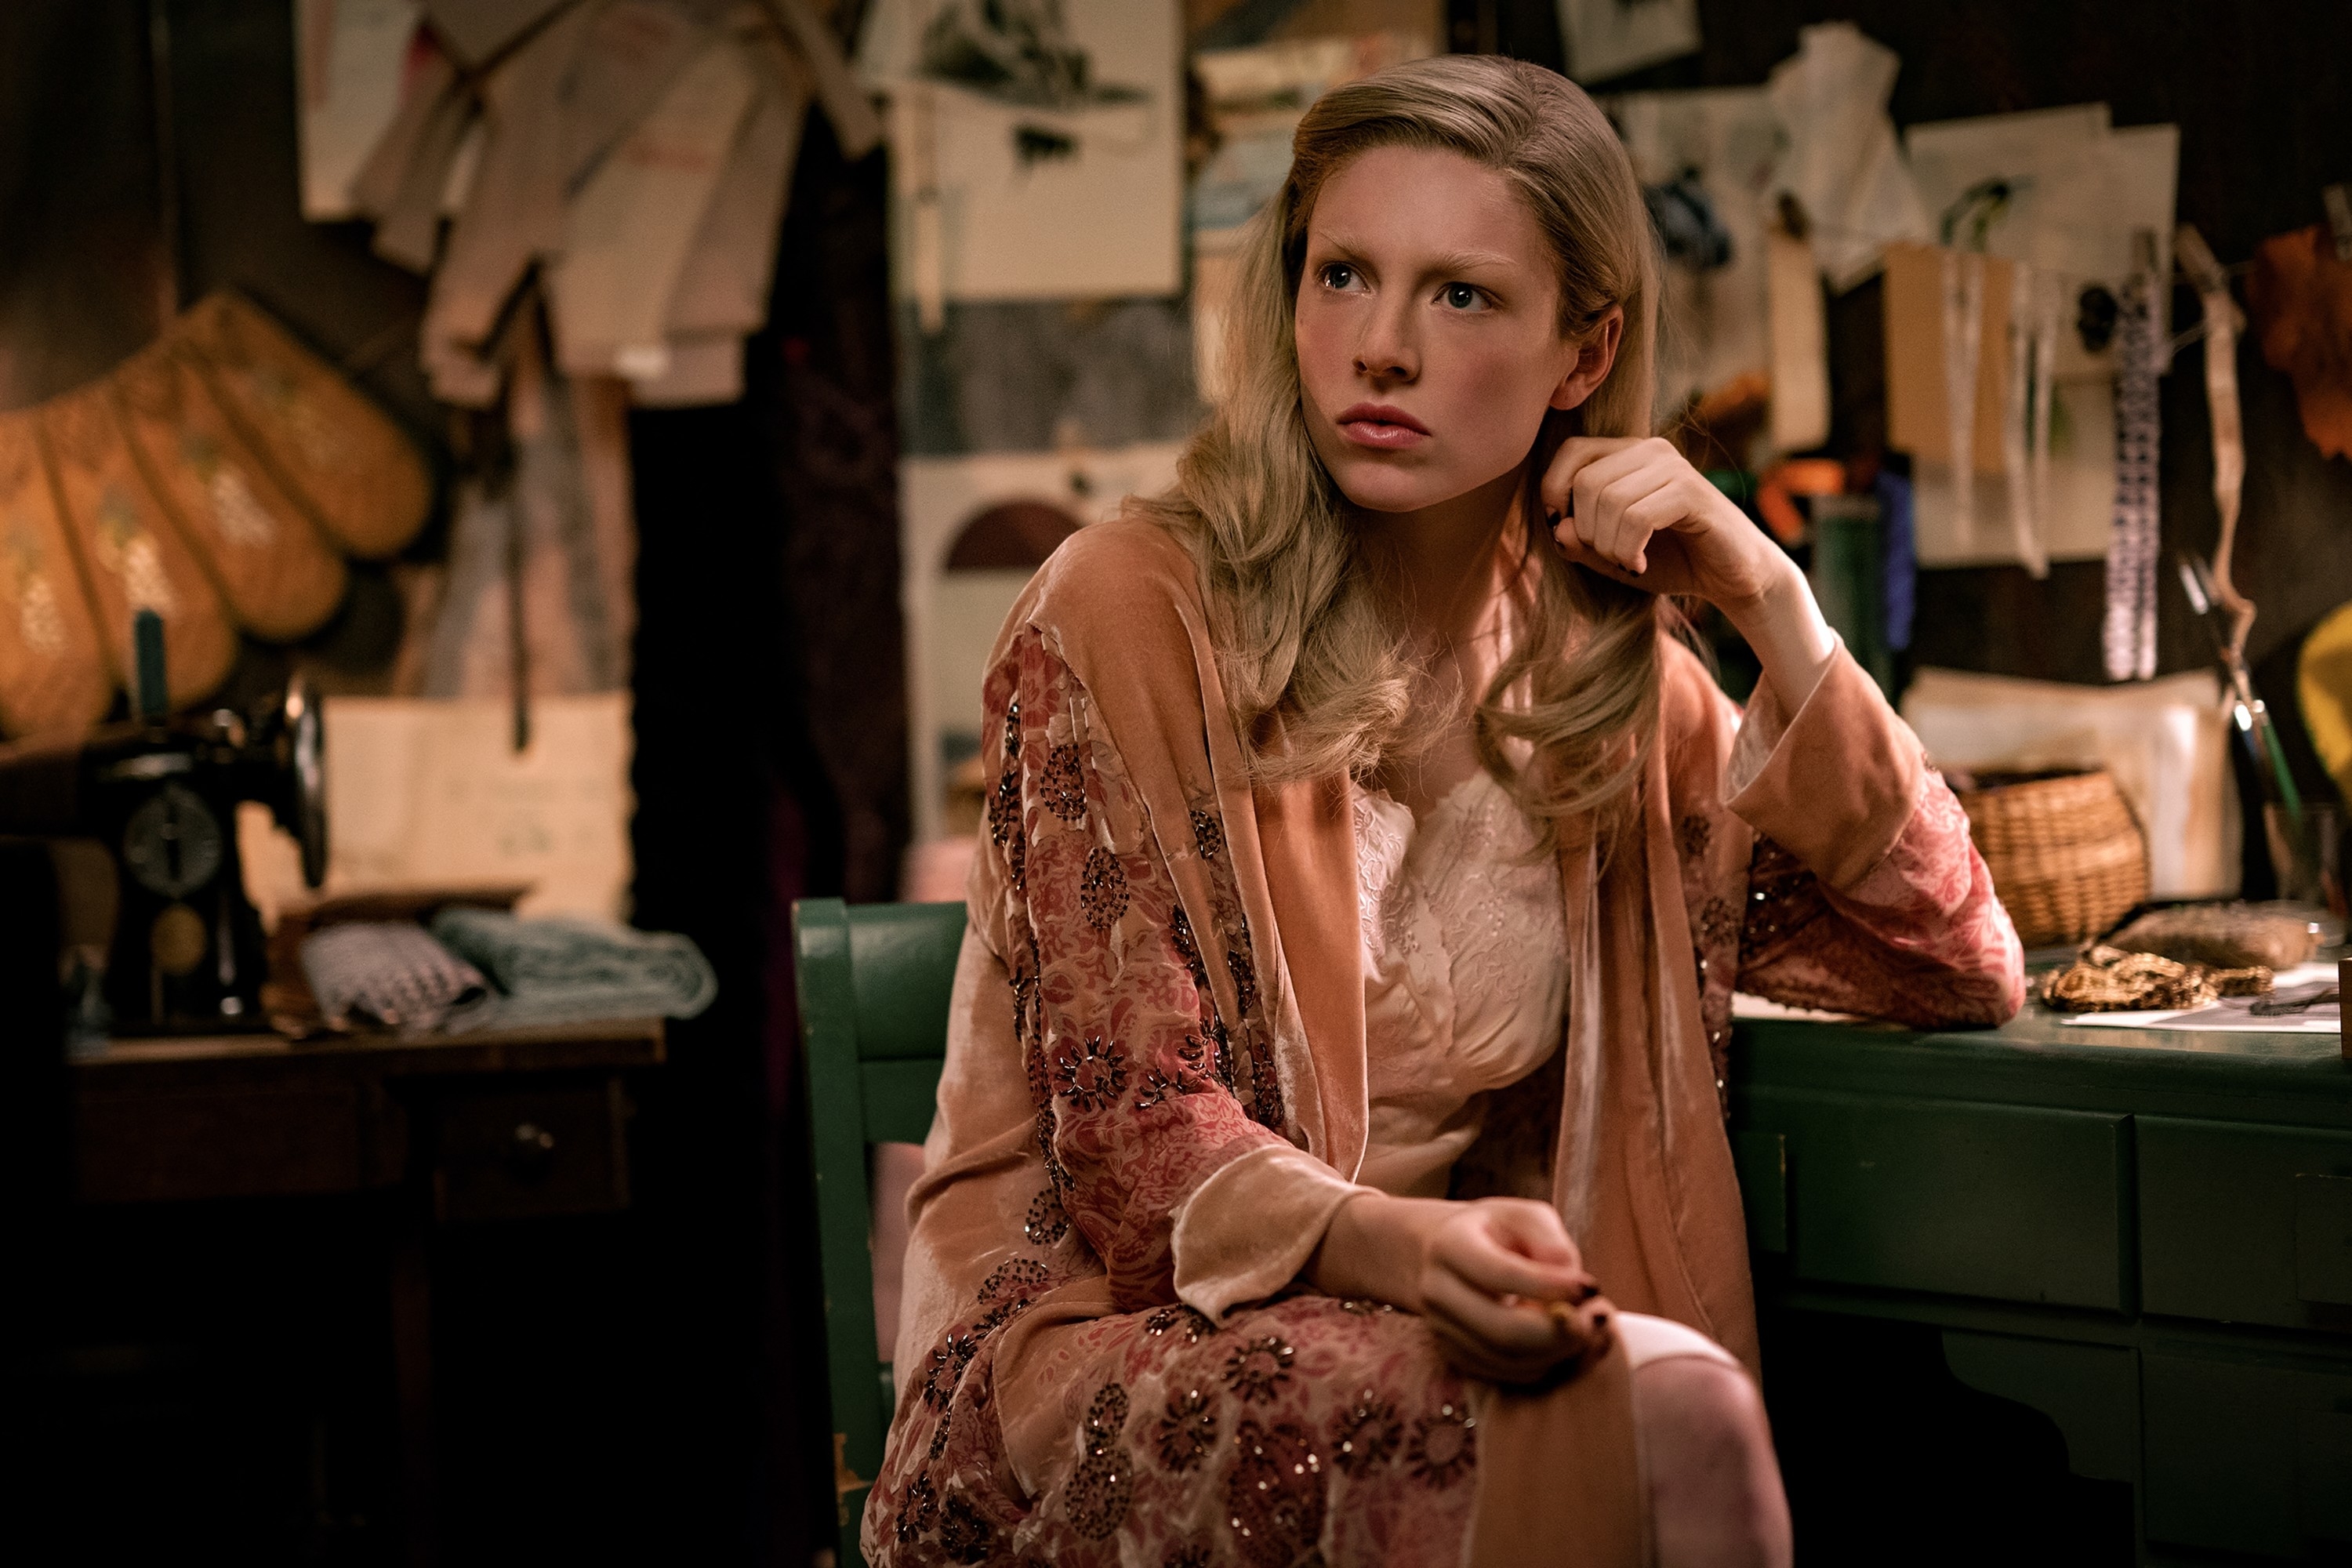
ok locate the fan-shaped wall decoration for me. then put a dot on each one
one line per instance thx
(218, 477)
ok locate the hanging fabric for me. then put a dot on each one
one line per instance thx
(2128, 635)
(1963, 297)
(2024, 432)
(2221, 332)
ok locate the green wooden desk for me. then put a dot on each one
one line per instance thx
(2145, 1236)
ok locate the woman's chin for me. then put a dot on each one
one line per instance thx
(1379, 489)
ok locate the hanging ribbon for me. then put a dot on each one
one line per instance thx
(2220, 331)
(2024, 425)
(2128, 633)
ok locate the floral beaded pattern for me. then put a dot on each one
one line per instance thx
(1143, 1030)
(1920, 938)
(1117, 1020)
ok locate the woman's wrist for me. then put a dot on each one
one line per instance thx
(1784, 627)
(1375, 1246)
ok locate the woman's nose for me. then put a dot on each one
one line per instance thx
(1386, 352)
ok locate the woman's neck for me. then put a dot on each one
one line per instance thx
(1439, 562)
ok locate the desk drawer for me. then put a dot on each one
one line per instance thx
(2247, 1454)
(2008, 1201)
(2246, 1224)
(515, 1153)
(175, 1143)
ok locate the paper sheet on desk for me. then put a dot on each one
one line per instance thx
(2236, 1014)
(1744, 1005)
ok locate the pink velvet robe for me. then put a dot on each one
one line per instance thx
(1163, 971)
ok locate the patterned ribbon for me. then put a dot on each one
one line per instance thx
(2128, 633)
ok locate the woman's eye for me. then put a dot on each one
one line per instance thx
(1461, 297)
(1338, 274)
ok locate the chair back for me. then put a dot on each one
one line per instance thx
(874, 982)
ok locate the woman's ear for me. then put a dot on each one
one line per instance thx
(1594, 357)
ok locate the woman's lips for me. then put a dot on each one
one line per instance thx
(1381, 428)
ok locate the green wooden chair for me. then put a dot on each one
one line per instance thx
(873, 983)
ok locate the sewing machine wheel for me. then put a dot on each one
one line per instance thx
(173, 842)
(307, 788)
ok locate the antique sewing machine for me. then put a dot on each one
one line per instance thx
(162, 792)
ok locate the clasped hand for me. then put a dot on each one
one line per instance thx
(1497, 1280)
(1633, 509)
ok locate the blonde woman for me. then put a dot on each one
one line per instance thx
(1368, 871)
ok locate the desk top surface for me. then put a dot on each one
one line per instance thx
(2040, 1058)
(633, 1042)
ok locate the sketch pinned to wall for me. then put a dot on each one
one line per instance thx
(1040, 147)
(1709, 160)
(973, 529)
(1609, 38)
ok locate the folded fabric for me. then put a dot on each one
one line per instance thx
(566, 970)
(389, 972)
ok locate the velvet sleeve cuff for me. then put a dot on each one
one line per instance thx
(1248, 1230)
(1835, 783)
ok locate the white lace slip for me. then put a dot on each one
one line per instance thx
(1465, 971)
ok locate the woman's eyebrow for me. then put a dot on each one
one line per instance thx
(1472, 261)
(1347, 245)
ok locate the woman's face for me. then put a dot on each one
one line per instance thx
(1428, 329)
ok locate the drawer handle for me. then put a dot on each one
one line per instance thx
(531, 1150)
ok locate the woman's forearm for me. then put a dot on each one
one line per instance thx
(1792, 641)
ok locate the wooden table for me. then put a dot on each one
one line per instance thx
(2147, 1236)
(495, 1126)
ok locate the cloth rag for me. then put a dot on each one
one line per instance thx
(569, 969)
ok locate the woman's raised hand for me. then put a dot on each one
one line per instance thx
(1633, 509)
(1498, 1279)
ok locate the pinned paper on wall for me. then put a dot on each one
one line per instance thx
(350, 57)
(1843, 165)
(1040, 146)
(1727, 142)
(422, 790)
(1609, 38)
(2059, 189)
(2067, 424)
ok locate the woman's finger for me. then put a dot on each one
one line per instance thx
(1574, 455)
(1532, 1230)
(1469, 1354)
(1621, 535)
(1489, 1265)
(1597, 470)
(1513, 1331)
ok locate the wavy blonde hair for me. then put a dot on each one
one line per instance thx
(1308, 647)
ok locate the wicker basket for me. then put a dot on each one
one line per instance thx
(2066, 856)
